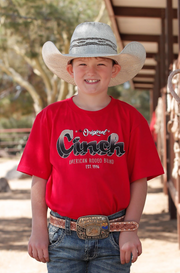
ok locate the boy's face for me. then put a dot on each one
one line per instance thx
(92, 75)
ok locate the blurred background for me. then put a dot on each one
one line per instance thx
(27, 86)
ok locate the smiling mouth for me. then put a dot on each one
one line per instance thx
(91, 81)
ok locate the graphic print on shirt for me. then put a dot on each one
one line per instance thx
(67, 144)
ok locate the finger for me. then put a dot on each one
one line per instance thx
(127, 257)
(139, 249)
(30, 251)
(46, 255)
(35, 255)
(134, 255)
(122, 257)
(41, 256)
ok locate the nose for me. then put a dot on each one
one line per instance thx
(91, 70)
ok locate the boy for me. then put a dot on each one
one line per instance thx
(90, 155)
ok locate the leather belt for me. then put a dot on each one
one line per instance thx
(95, 226)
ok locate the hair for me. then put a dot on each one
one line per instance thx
(113, 62)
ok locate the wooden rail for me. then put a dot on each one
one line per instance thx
(13, 141)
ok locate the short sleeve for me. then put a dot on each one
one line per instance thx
(36, 156)
(143, 159)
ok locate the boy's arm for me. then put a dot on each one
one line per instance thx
(129, 242)
(39, 240)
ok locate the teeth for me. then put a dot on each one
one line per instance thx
(92, 81)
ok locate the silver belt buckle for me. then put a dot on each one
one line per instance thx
(93, 227)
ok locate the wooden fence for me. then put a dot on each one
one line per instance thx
(168, 144)
(13, 141)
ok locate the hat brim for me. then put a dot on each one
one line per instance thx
(131, 59)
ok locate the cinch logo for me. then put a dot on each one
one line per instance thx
(103, 147)
(86, 132)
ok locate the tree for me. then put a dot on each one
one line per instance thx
(25, 26)
(137, 98)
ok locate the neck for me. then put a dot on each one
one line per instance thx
(91, 103)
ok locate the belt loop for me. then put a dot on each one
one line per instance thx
(68, 226)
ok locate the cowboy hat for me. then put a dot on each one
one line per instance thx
(94, 39)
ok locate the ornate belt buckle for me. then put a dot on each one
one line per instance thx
(93, 227)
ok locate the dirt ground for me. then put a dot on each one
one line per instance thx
(158, 233)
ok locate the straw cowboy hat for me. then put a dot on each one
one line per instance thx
(94, 39)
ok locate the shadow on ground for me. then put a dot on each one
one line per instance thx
(15, 195)
(15, 233)
(154, 190)
(158, 227)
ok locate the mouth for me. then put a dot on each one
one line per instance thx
(91, 81)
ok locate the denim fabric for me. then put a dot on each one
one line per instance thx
(70, 254)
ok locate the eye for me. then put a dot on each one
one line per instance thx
(101, 64)
(82, 64)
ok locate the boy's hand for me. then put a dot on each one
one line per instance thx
(38, 246)
(129, 243)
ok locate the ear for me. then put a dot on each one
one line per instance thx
(115, 70)
(69, 69)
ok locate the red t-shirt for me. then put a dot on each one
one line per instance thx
(90, 157)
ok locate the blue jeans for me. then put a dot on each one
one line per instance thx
(70, 254)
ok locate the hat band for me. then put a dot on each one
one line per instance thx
(81, 42)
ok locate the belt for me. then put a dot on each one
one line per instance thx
(95, 226)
